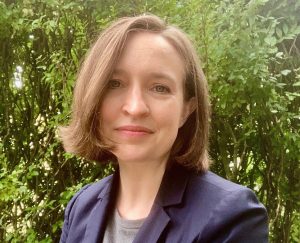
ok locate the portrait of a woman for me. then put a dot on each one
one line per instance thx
(141, 102)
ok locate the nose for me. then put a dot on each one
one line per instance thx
(135, 103)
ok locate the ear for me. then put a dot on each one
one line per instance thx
(188, 108)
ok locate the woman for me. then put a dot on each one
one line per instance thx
(141, 101)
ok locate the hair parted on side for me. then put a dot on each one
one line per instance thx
(83, 137)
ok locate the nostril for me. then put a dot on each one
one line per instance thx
(135, 106)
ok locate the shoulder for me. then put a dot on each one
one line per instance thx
(228, 208)
(216, 192)
(80, 208)
(88, 195)
(212, 186)
(224, 192)
(92, 190)
(215, 182)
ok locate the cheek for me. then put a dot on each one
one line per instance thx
(169, 115)
(108, 109)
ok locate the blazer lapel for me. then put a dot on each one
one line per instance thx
(170, 193)
(97, 221)
(153, 226)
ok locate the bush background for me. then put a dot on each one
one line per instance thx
(250, 52)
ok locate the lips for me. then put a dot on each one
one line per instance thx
(133, 130)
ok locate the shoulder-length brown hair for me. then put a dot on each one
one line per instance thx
(82, 135)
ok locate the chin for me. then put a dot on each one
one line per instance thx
(132, 156)
(128, 150)
(131, 159)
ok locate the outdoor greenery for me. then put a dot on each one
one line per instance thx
(250, 50)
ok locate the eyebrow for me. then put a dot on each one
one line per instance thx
(157, 75)
(118, 71)
(162, 75)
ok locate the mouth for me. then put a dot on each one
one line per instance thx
(132, 130)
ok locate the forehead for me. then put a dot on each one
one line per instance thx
(150, 50)
(144, 40)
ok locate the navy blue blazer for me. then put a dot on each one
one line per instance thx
(189, 207)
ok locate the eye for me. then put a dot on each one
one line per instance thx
(161, 89)
(114, 84)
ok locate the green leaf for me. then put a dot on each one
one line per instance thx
(271, 40)
(285, 72)
(297, 84)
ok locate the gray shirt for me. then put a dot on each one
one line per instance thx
(121, 230)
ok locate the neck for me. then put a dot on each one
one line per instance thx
(139, 184)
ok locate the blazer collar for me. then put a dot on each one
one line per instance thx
(171, 189)
(173, 186)
(97, 221)
(170, 193)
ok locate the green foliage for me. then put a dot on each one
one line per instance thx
(250, 52)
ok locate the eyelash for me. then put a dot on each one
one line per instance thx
(159, 86)
(112, 84)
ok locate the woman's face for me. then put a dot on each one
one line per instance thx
(143, 106)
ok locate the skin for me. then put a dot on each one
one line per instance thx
(141, 112)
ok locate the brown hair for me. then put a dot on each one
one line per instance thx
(82, 135)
